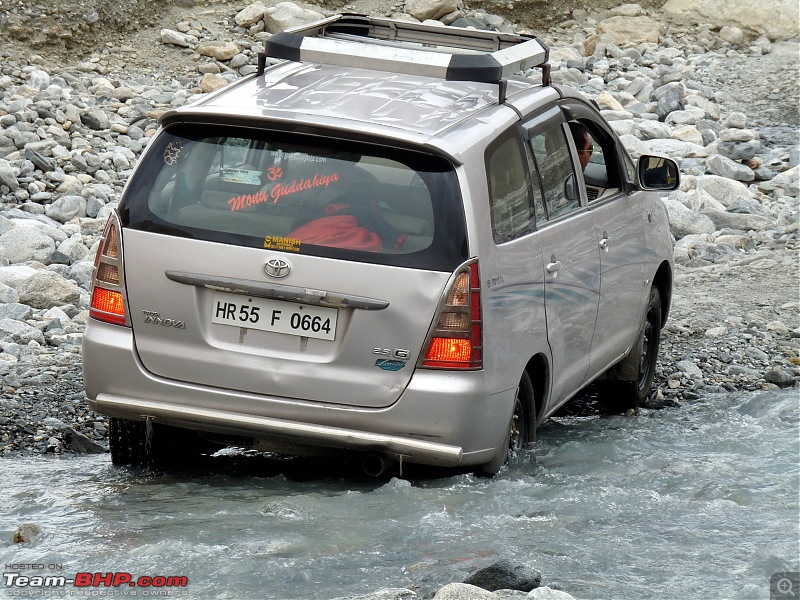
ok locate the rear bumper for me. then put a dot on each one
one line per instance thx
(441, 418)
(316, 435)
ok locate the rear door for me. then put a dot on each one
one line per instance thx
(570, 251)
(301, 268)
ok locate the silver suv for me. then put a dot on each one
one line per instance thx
(384, 243)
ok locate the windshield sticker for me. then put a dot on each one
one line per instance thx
(287, 244)
(298, 157)
(280, 190)
(172, 153)
(274, 173)
(247, 176)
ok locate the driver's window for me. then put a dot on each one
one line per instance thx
(556, 171)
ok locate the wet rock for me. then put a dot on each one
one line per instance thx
(780, 377)
(26, 533)
(504, 575)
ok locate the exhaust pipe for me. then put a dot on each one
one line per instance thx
(376, 465)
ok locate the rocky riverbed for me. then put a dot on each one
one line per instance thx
(716, 98)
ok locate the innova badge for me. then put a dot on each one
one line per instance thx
(277, 268)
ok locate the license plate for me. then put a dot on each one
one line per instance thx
(274, 315)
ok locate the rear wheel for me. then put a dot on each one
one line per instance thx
(127, 442)
(167, 445)
(618, 394)
(518, 432)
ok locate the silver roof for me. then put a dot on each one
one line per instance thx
(358, 99)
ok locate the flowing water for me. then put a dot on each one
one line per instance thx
(699, 501)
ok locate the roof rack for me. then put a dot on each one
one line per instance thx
(451, 53)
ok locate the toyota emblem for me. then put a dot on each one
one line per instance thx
(277, 267)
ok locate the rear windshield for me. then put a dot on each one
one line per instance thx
(301, 194)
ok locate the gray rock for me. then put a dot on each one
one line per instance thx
(8, 175)
(779, 377)
(504, 575)
(46, 289)
(689, 368)
(96, 119)
(684, 221)
(22, 244)
(176, 38)
(77, 442)
(15, 310)
(73, 248)
(19, 332)
(463, 591)
(723, 220)
(739, 150)
(26, 533)
(724, 190)
(725, 167)
(66, 208)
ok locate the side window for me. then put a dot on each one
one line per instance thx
(599, 158)
(509, 201)
(551, 152)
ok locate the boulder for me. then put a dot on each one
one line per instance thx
(504, 575)
(23, 244)
(430, 9)
(45, 289)
(781, 24)
(287, 14)
(250, 15)
(622, 30)
(725, 167)
(684, 221)
(742, 222)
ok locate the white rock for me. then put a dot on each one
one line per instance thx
(250, 15)
(287, 14)
(176, 38)
(430, 9)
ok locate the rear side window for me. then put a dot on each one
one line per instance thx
(556, 171)
(510, 203)
(299, 194)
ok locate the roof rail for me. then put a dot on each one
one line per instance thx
(451, 53)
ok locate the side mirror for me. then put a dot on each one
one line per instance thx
(657, 173)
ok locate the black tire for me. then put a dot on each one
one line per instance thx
(618, 395)
(518, 434)
(127, 442)
(168, 446)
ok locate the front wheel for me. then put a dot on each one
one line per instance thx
(518, 432)
(622, 391)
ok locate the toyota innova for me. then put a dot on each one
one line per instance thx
(385, 242)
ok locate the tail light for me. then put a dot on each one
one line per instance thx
(109, 303)
(456, 342)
